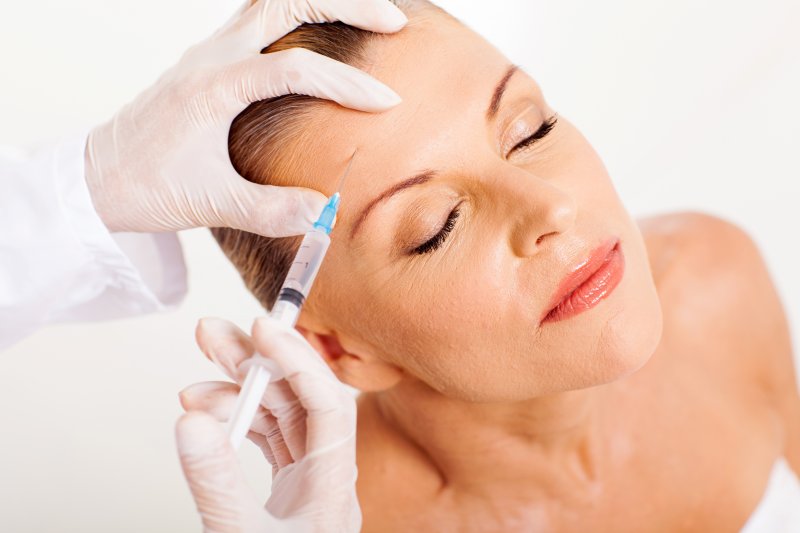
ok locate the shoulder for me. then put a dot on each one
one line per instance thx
(716, 290)
(710, 274)
(698, 245)
(712, 267)
(722, 307)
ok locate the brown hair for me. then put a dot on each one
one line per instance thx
(255, 141)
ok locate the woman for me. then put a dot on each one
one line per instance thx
(531, 358)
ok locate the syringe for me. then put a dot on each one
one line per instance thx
(295, 289)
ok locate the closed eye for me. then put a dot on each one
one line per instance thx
(437, 240)
(546, 127)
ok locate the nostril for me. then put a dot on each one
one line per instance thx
(542, 237)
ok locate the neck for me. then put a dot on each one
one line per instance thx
(551, 445)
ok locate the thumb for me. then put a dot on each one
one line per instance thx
(218, 487)
(273, 211)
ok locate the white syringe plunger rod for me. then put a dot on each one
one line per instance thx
(286, 310)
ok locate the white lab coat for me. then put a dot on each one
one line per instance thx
(59, 263)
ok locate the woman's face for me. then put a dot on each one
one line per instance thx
(449, 277)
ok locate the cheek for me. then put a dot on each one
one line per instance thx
(438, 325)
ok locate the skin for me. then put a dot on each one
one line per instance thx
(661, 409)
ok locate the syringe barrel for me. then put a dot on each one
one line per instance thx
(287, 307)
(304, 270)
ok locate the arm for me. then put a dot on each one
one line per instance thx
(752, 317)
(161, 165)
(777, 360)
(59, 262)
(762, 315)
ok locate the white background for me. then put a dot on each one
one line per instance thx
(692, 104)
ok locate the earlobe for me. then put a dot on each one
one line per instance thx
(362, 371)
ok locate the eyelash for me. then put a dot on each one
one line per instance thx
(546, 127)
(437, 241)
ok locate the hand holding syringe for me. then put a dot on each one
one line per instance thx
(305, 427)
(295, 289)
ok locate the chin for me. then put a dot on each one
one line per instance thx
(631, 337)
(629, 333)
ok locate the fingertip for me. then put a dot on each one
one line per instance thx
(392, 19)
(310, 204)
(183, 400)
(286, 346)
(384, 101)
(266, 329)
(265, 326)
(282, 211)
(380, 16)
(202, 333)
(314, 202)
(369, 94)
(216, 398)
(197, 433)
(223, 343)
(397, 21)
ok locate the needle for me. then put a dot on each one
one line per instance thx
(347, 171)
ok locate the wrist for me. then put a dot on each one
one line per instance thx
(94, 176)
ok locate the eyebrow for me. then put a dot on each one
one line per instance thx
(428, 175)
(419, 179)
(500, 90)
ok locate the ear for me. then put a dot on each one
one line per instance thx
(365, 372)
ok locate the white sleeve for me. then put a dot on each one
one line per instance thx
(58, 262)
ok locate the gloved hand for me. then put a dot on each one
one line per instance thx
(162, 164)
(306, 428)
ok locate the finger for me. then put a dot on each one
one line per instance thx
(287, 348)
(330, 411)
(290, 415)
(285, 423)
(281, 454)
(261, 441)
(224, 344)
(330, 408)
(272, 211)
(269, 20)
(215, 479)
(218, 399)
(300, 71)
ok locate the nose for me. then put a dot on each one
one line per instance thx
(544, 211)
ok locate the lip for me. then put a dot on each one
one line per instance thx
(588, 283)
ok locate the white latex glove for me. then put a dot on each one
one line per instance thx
(162, 164)
(306, 428)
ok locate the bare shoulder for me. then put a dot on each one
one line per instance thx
(695, 245)
(712, 279)
(721, 305)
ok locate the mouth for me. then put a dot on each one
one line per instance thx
(589, 283)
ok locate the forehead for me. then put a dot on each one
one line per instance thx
(445, 74)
